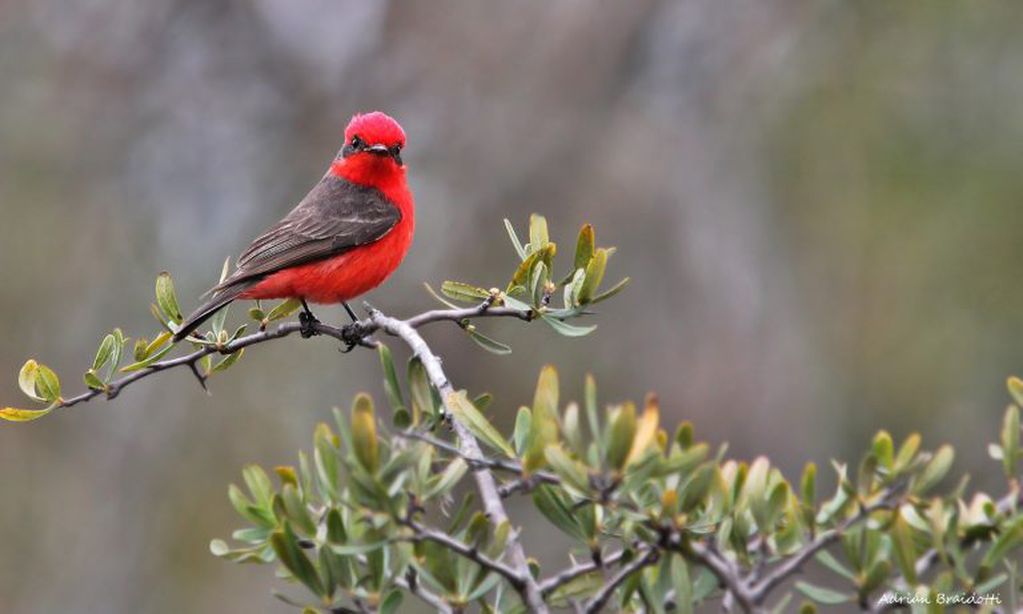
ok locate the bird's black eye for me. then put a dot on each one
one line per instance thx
(396, 152)
(357, 142)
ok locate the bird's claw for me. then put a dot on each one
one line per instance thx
(352, 335)
(308, 323)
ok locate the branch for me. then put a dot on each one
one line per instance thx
(432, 599)
(724, 570)
(423, 533)
(597, 602)
(524, 484)
(364, 328)
(553, 583)
(760, 590)
(468, 446)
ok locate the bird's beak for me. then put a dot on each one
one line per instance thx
(379, 149)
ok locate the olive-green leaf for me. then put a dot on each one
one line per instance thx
(13, 414)
(935, 470)
(104, 353)
(459, 291)
(166, 298)
(594, 275)
(491, 345)
(285, 545)
(584, 247)
(1010, 439)
(364, 433)
(284, 309)
(27, 380)
(822, 595)
(391, 386)
(538, 235)
(519, 249)
(466, 413)
(566, 329)
(1015, 386)
(620, 434)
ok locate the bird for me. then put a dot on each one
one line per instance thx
(349, 234)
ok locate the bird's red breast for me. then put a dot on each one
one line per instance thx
(359, 270)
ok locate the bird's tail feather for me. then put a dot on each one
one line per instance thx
(218, 301)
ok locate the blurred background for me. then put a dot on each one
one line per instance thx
(819, 204)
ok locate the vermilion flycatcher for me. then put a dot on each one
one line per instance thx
(345, 238)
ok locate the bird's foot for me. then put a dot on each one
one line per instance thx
(308, 323)
(352, 335)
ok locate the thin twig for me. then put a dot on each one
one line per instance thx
(365, 327)
(554, 582)
(424, 533)
(649, 557)
(792, 565)
(429, 597)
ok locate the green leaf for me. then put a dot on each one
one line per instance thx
(104, 353)
(572, 473)
(521, 433)
(884, 449)
(1010, 439)
(1009, 539)
(485, 342)
(594, 275)
(905, 550)
(612, 291)
(459, 291)
(566, 329)
(571, 429)
(439, 298)
(392, 602)
(227, 361)
(364, 433)
(166, 299)
(1015, 386)
(284, 309)
(554, 507)
(543, 426)
(285, 545)
(447, 480)
(825, 558)
(27, 380)
(620, 435)
(420, 392)
(13, 414)
(907, 452)
(515, 239)
(466, 413)
(934, 471)
(822, 595)
(584, 247)
(538, 236)
(391, 385)
(47, 384)
(93, 381)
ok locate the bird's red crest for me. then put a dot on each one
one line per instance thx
(375, 127)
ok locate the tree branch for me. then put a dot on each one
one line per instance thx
(429, 597)
(364, 327)
(792, 565)
(649, 557)
(554, 582)
(468, 446)
(424, 533)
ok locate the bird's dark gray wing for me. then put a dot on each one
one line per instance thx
(334, 217)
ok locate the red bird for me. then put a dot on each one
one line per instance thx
(346, 237)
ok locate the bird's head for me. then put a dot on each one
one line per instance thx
(373, 139)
